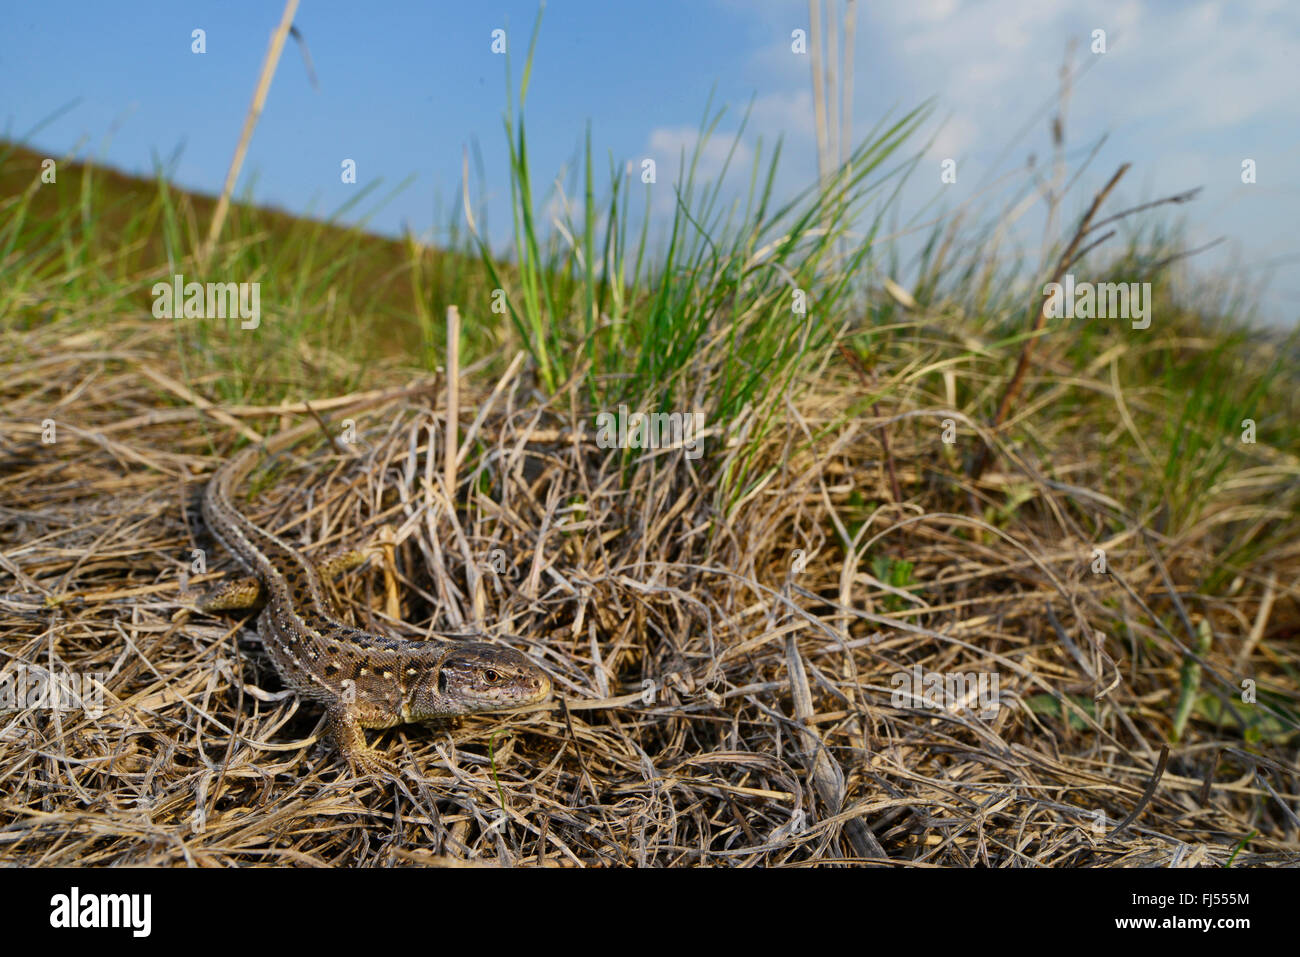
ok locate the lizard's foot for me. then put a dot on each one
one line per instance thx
(351, 741)
(370, 762)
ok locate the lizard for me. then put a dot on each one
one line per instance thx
(364, 679)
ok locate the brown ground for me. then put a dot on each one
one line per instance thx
(724, 670)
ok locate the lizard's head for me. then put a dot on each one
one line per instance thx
(474, 678)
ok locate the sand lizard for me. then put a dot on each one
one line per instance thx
(365, 680)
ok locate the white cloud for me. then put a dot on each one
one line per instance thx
(955, 137)
(667, 145)
(1203, 71)
(1184, 91)
(783, 114)
(1194, 67)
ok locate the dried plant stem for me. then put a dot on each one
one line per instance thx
(846, 98)
(250, 121)
(453, 400)
(815, 53)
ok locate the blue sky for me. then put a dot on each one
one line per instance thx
(1184, 92)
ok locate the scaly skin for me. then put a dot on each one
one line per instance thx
(365, 680)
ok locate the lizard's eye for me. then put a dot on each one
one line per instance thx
(491, 677)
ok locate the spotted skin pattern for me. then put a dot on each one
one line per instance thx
(365, 680)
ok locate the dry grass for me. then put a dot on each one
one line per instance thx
(770, 737)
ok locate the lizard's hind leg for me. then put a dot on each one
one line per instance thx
(247, 592)
(340, 562)
(237, 594)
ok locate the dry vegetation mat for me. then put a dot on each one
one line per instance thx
(803, 670)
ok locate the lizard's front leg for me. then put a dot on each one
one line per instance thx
(345, 726)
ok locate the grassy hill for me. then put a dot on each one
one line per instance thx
(892, 484)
